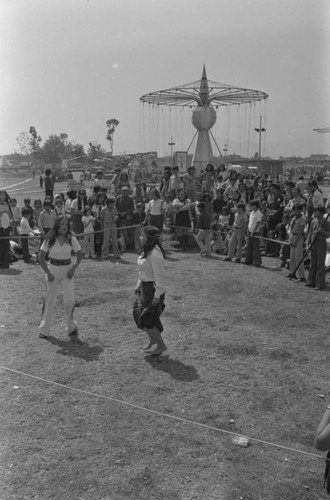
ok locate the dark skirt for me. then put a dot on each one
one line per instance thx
(182, 219)
(77, 225)
(144, 313)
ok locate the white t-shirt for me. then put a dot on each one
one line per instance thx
(153, 269)
(155, 207)
(254, 218)
(88, 220)
(61, 252)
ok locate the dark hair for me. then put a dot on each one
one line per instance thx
(201, 205)
(47, 203)
(7, 200)
(27, 200)
(108, 201)
(26, 211)
(96, 188)
(153, 239)
(155, 192)
(241, 205)
(87, 209)
(72, 194)
(53, 233)
(81, 205)
(209, 168)
(255, 203)
(185, 194)
(39, 202)
(48, 171)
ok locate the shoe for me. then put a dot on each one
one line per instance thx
(301, 280)
(227, 259)
(74, 333)
(43, 336)
(317, 288)
(237, 261)
(158, 351)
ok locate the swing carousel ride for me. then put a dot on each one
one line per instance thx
(203, 97)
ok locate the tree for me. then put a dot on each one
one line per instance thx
(58, 147)
(34, 142)
(95, 151)
(23, 141)
(111, 124)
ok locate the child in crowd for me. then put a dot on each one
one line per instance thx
(27, 205)
(297, 230)
(59, 207)
(253, 255)
(237, 233)
(168, 210)
(203, 237)
(317, 237)
(25, 231)
(87, 221)
(47, 219)
(224, 226)
(282, 232)
(16, 214)
(138, 218)
(108, 218)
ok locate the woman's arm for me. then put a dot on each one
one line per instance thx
(322, 437)
(74, 267)
(43, 264)
(158, 267)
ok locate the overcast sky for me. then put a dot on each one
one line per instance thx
(68, 66)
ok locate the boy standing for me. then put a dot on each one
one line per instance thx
(47, 219)
(238, 233)
(297, 229)
(25, 231)
(108, 218)
(318, 234)
(203, 237)
(253, 255)
(87, 221)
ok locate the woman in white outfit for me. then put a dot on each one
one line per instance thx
(59, 244)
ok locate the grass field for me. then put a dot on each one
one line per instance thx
(248, 353)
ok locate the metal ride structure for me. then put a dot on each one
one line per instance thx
(204, 97)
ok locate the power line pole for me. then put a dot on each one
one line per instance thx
(260, 130)
(171, 144)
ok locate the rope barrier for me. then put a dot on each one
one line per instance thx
(165, 415)
(38, 236)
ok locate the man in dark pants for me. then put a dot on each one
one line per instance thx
(49, 184)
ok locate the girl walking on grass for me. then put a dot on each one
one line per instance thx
(59, 244)
(150, 290)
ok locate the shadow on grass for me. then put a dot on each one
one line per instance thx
(10, 272)
(76, 349)
(174, 367)
(119, 261)
(94, 300)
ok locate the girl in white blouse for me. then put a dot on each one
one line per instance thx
(59, 244)
(150, 289)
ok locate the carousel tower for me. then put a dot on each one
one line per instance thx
(204, 96)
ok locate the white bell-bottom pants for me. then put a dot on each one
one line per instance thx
(67, 285)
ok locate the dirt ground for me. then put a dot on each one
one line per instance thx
(248, 354)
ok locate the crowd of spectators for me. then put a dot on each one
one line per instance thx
(219, 210)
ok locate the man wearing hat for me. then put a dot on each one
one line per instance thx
(125, 207)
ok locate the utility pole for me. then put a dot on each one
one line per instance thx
(172, 144)
(260, 130)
